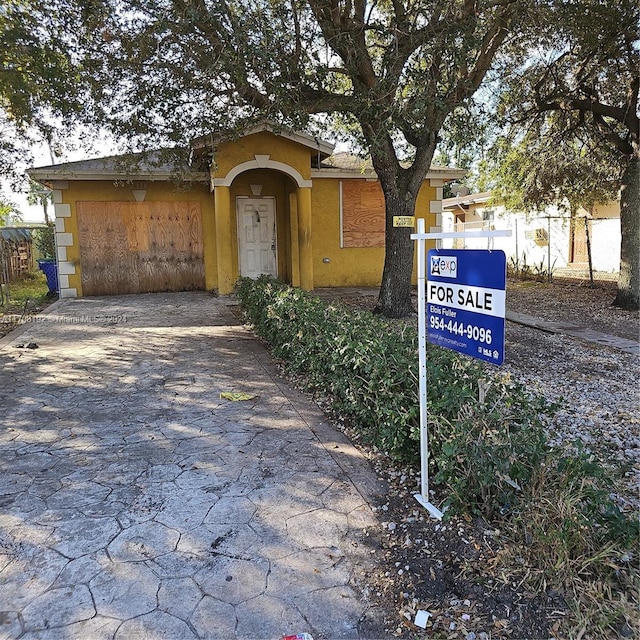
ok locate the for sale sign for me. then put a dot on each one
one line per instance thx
(466, 292)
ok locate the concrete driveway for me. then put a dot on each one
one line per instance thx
(135, 502)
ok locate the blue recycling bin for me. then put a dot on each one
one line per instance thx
(50, 270)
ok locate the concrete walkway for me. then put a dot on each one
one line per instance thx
(575, 331)
(135, 502)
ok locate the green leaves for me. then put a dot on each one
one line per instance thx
(368, 369)
(489, 451)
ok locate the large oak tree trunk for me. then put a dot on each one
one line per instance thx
(394, 299)
(400, 187)
(629, 279)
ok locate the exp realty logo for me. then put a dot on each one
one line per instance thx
(444, 266)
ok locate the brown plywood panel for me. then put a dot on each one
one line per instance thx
(137, 221)
(138, 247)
(106, 268)
(363, 214)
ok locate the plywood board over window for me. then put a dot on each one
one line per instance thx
(362, 214)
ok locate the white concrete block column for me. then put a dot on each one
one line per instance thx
(435, 206)
(64, 238)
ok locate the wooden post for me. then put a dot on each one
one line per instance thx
(586, 230)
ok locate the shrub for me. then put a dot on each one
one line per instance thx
(487, 431)
(489, 451)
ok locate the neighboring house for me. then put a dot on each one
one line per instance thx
(268, 202)
(546, 241)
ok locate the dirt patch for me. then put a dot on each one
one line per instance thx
(580, 304)
(457, 572)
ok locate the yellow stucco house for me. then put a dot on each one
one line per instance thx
(269, 202)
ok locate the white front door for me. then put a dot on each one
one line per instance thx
(257, 236)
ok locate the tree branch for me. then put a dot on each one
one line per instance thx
(565, 103)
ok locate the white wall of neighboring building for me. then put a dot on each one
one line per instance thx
(542, 241)
(605, 244)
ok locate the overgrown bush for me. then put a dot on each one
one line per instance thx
(489, 451)
(44, 241)
(487, 432)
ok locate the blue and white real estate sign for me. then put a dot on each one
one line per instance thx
(466, 294)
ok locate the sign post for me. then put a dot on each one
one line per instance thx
(423, 496)
(470, 297)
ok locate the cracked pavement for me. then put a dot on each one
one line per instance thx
(135, 502)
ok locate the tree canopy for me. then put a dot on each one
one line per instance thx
(572, 123)
(385, 74)
(9, 212)
(42, 92)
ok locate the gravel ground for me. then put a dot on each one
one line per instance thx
(596, 387)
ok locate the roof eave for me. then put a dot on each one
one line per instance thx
(471, 199)
(439, 173)
(45, 175)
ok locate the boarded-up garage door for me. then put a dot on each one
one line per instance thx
(138, 247)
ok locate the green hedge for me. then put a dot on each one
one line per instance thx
(368, 369)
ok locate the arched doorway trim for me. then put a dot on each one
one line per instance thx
(261, 162)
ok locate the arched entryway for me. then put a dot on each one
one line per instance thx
(263, 224)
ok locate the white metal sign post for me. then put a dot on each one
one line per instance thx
(423, 496)
(421, 237)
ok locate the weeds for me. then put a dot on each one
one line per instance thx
(524, 271)
(32, 287)
(26, 296)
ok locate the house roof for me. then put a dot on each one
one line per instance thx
(16, 234)
(152, 165)
(345, 164)
(160, 165)
(466, 201)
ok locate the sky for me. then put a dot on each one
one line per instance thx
(30, 213)
(41, 158)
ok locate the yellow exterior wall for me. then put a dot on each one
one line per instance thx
(89, 190)
(347, 267)
(426, 196)
(230, 154)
